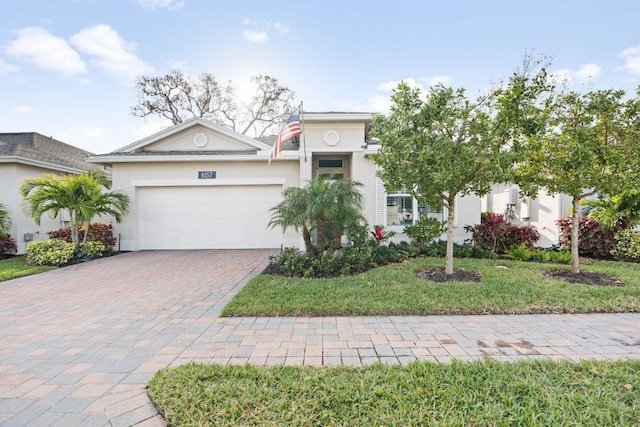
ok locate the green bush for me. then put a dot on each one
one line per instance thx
(382, 254)
(438, 248)
(50, 252)
(627, 245)
(562, 257)
(93, 249)
(423, 231)
(519, 253)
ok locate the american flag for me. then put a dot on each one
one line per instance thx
(289, 130)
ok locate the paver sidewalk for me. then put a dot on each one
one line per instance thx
(78, 345)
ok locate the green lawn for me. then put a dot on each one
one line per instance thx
(11, 268)
(394, 290)
(527, 393)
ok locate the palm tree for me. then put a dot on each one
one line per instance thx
(83, 196)
(620, 209)
(325, 205)
(5, 220)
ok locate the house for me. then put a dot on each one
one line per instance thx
(29, 154)
(199, 185)
(540, 212)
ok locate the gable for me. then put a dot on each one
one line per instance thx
(194, 135)
(196, 138)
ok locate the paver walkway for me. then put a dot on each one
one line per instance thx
(78, 345)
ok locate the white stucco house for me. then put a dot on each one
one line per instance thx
(29, 154)
(199, 185)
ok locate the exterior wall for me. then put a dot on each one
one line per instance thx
(184, 141)
(542, 211)
(129, 177)
(11, 175)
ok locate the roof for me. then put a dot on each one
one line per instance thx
(31, 147)
(178, 153)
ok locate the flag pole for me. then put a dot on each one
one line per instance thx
(304, 138)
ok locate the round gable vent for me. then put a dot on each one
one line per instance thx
(331, 137)
(200, 140)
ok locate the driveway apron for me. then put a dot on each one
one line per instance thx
(78, 344)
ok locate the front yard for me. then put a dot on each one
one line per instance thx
(422, 393)
(10, 268)
(507, 287)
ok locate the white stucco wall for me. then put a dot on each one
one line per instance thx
(542, 211)
(11, 176)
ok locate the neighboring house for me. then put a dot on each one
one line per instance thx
(199, 185)
(540, 212)
(29, 154)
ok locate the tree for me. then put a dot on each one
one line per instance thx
(177, 97)
(83, 196)
(440, 147)
(5, 220)
(318, 206)
(584, 143)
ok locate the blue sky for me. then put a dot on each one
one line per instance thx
(67, 67)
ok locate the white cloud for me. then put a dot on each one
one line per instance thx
(110, 52)
(23, 109)
(6, 68)
(435, 80)
(280, 28)
(255, 36)
(392, 84)
(164, 4)
(631, 58)
(46, 51)
(584, 74)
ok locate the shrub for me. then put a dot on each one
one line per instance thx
(50, 252)
(358, 234)
(7, 245)
(383, 255)
(97, 233)
(543, 255)
(520, 253)
(627, 245)
(92, 249)
(466, 250)
(381, 235)
(292, 262)
(496, 235)
(594, 239)
(423, 231)
(562, 257)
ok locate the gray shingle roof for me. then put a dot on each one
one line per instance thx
(33, 146)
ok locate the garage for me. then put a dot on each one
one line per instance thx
(208, 217)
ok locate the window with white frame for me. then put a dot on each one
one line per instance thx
(403, 209)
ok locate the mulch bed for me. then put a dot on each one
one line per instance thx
(437, 274)
(584, 277)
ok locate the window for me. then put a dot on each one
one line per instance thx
(403, 209)
(329, 163)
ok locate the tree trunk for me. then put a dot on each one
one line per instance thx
(448, 269)
(320, 229)
(73, 225)
(306, 235)
(575, 224)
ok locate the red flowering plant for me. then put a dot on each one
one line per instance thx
(380, 234)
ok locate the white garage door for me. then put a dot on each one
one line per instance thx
(216, 217)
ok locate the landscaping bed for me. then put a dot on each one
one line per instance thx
(540, 392)
(506, 287)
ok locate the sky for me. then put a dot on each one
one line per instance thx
(68, 67)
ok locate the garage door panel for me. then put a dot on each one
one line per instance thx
(207, 217)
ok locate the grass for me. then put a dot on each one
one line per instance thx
(394, 290)
(526, 393)
(11, 268)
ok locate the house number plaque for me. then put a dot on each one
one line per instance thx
(206, 174)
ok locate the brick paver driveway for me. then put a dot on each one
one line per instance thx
(78, 345)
